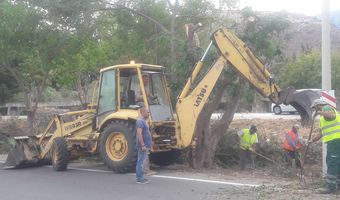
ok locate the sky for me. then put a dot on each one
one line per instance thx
(307, 7)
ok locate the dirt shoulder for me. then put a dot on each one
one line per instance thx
(270, 127)
(269, 186)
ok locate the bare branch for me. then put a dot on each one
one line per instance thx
(153, 20)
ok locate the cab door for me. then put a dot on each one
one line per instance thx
(107, 101)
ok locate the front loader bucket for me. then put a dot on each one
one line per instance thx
(302, 101)
(25, 154)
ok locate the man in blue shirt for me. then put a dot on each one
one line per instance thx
(143, 144)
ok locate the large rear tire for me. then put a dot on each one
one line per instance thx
(117, 146)
(59, 154)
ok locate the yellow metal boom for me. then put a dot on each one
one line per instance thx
(236, 53)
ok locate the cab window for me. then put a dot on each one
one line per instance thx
(107, 96)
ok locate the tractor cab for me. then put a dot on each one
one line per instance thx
(132, 86)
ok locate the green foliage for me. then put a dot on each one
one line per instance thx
(8, 86)
(249, 97)
(81, 37)
(305, 71)
(194, 11)
(80, 58)
(29, 48)
(76, 16)
(262, 32)
(227, 152)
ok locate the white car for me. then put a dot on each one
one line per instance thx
(281, 108)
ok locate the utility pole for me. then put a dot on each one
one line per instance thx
(326, 65)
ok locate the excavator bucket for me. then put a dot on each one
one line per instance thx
(25, 154)
(301, 101)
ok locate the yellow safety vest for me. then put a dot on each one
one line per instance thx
(247, 140)
(330, 129)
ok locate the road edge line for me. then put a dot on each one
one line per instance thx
(167, 177)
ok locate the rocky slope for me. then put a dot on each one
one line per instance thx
(305, 35)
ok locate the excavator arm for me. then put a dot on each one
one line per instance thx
(246, 63)
(236, 53)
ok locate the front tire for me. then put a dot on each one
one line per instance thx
(277, 110)
(59, 154)
(117, 146)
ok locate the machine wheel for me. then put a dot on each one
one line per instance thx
(117, 146)
(59, 154)
(277, 110)
(165, 158)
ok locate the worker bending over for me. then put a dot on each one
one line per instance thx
(248, 138)
(291, 145)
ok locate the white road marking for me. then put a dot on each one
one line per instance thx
(87, 170)
(166, 177)
(207, 181)
(171, 177)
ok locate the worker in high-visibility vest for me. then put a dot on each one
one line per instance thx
(330, 134)
(291, 145)
(248, 139)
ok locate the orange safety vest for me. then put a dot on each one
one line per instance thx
(287, 146)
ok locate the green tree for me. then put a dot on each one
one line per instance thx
(81, 55)
(265, 33)
(29, 49)
(8, 86)
(305, 71)
(79, 66)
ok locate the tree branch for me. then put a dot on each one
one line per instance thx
(15, 75)
(153, 20)
(40, 88)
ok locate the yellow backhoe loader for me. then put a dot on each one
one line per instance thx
(108, 128)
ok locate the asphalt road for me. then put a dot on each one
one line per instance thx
(95, 182)
(92, 182)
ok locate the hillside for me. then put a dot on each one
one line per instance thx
(304, 33)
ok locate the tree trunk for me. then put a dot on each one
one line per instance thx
(81, 91)
(31, 110)
(207, 137)
(33, 94)
(30, 121)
